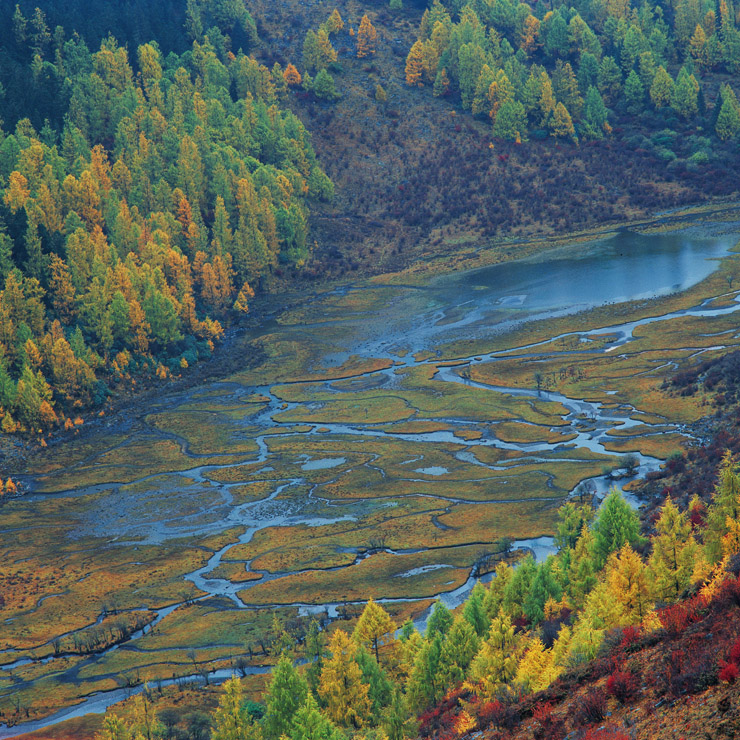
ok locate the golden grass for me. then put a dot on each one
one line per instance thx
(203, 626)
(525, 433)
(302, 558)
(410, 524)
(378, 576)
(205, 433)
(127, 463)
(660, 445)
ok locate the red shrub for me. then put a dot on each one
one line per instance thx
(541, 712)
(498, 714)
(735, 652)
(489, 712)
(728, 672)
(428, 722)
(630, 635)
(622, 686)
(521, 623)
(729, 593)
(677, 617)
(693, 668)
(697, 515)
(591, 707)
(547, 726)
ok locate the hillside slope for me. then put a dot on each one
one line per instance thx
(663, 686)
(416, 173)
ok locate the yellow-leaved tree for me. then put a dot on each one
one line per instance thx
(367, 38)
(725, 507)
(672, 561)
(496, 662)
(415, 65)
(537, 668)
(334, 23)
(341, 686)
(231, 722)
(626, 577)
(375, 629)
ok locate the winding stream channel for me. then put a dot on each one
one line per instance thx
(415, 331)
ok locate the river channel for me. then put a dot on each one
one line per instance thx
(377, 451)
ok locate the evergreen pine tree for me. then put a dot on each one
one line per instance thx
(458, 650)
(440, 620)
(285, 695)
(634, 93)
(617, 524)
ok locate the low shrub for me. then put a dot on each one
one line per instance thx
(547, 726)
(622, 685)
(728, 672)
(630, 635)
(496, 713)
(592, 707)
(677, 617)
(604, 733)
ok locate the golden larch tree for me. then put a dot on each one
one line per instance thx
(672, 561)
(334, 23)
(530, 35)
(496, 662)
(415, 65)
(626, 578)
(241, 303)
(292, 76)
(698, 44)
(536, 669)
(341, 685)
(367, 38)
(374, 629)
(61, 290)
(562, 124)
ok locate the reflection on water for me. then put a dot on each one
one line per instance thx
(623, 267)
(626, 266)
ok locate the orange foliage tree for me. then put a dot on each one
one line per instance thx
(367, 38)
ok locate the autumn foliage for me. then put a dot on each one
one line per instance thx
(367, 38)
(563, 74)
(125, 245)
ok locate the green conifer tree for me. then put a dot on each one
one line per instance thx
(672, 561)
(634, 93)
(617, 524)
(285, 695)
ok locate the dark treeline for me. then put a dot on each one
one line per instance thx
(33, 32)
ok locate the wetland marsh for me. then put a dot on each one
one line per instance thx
(393, 435)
